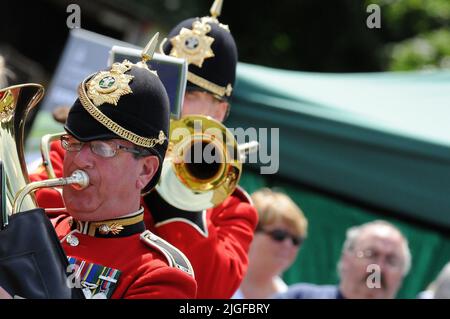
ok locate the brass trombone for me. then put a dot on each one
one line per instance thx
(203, 164)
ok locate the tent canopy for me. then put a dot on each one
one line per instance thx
(379, 138)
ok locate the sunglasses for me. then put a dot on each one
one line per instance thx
(280, 235)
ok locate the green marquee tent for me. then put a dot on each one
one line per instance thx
(354, 148)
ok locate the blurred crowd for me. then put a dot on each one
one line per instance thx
(374, 261)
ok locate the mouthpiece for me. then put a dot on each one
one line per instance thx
(78, 180)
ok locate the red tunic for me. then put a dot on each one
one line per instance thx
(144, 270)
(218, 255)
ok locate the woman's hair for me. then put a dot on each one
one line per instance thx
(273, 206)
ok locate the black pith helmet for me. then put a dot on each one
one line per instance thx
(210, 51)
(127, 101)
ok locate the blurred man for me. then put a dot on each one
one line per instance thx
(375, 259)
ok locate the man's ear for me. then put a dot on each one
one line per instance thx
(344, 261)
(223, 108)
(150, 165)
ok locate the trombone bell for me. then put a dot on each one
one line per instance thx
(202, 166)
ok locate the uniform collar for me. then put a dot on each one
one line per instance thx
(112, 228)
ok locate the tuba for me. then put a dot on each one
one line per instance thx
(32, 262)
(15, 104)
(202, 166)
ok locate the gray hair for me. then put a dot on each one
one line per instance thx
(354, 232)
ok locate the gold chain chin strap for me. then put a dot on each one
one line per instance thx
(113, 126)
(207, 85)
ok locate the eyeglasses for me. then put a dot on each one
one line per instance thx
(373, 256)
(105, 149)
(280, 235)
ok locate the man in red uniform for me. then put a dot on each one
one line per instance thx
(117, 133)
(217, 240)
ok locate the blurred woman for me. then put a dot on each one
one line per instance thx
(281, 230)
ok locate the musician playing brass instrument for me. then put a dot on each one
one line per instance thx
(227, 230)
(216, 240)
(117, 133)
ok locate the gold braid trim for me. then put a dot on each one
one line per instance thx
(207, 85)
(113, 126)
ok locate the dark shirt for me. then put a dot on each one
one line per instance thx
(310, 291)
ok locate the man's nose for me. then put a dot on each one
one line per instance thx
(384, 263)
(84, 157)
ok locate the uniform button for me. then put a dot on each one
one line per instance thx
(72, 240)
(153, 237)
